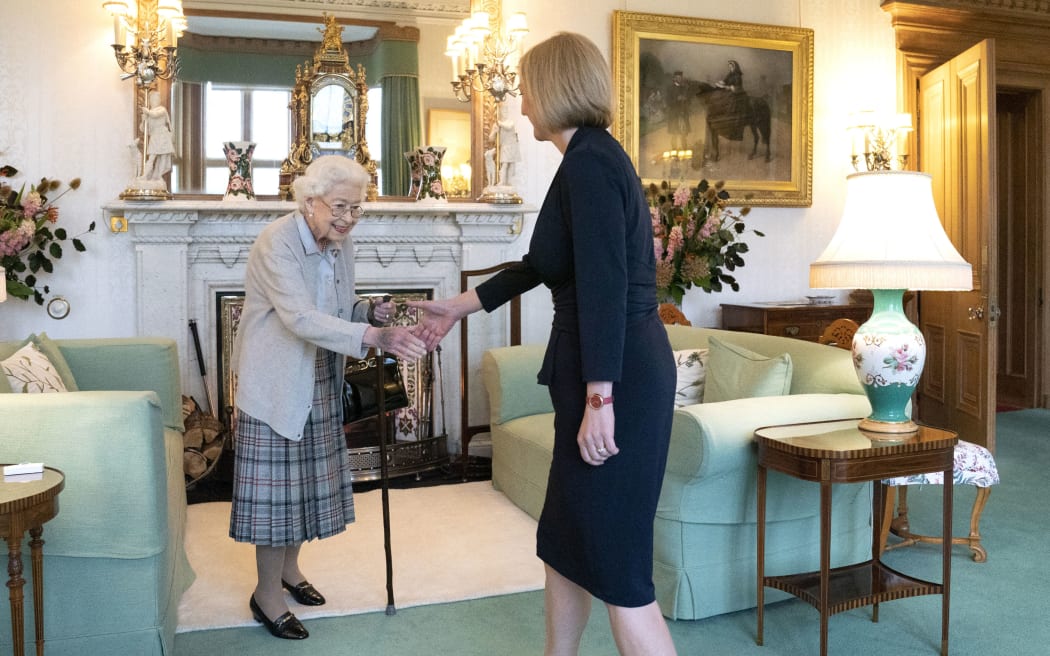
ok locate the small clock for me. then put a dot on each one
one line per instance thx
(58, 308)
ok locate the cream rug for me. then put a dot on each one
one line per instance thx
(450, 542)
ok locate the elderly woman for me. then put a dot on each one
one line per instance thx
(592, 246)
(301, 317)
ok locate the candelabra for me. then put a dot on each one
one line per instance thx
(881, 141)
(145, 34)
(481, 56)
(673, 163)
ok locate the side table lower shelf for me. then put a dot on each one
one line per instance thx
(854, 586)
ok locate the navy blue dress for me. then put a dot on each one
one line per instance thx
(593, 247)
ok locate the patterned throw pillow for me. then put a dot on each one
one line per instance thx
(28, 370)
(691, 367)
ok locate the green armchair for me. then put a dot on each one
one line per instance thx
(705, 527)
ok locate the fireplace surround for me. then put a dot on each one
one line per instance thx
(186, 252)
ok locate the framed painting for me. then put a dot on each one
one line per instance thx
(717, 100)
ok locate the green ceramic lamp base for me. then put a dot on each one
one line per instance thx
(889, 353)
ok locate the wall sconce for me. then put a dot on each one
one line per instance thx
(890, 239)
(145, 34)
(880, 139)
(481, 56)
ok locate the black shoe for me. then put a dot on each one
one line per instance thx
(304, 593)
(286, 626)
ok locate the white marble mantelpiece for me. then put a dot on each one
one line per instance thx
(188, 251)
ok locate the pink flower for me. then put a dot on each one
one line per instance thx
(681, 196)
(31, 204)
(675, 241)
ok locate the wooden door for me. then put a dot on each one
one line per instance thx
(957, 147)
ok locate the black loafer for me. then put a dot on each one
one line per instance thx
(286, 626)
(304, 593)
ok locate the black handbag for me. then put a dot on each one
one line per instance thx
(360, 388)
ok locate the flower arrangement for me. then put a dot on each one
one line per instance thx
(29, 238)
(696, 238)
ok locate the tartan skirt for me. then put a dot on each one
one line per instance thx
(287, 492)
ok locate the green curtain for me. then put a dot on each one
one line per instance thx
(401, 131)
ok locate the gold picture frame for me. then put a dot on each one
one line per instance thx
(665, 121)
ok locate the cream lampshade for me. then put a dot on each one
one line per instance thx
(890, 240)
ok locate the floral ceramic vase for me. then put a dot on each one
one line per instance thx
(239, 160)
(427, 160)
(415, 172)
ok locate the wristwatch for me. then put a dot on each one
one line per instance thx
(596, 400)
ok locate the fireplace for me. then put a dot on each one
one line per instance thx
(190, 253)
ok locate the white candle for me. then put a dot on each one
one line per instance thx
(119, 33)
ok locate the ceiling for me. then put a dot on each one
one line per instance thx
(400, 11)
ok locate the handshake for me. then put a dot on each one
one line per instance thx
(436, 318)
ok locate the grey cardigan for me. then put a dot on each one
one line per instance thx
(280, 327)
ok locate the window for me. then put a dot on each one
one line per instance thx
(245, 114)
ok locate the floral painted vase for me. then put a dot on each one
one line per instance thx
(427, 160)
(239, 160)
(415, 170)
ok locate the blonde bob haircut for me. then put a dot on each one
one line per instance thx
(325, 174)
(568, 83)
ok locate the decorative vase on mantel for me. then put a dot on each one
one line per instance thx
(425, 164)
(239, 160)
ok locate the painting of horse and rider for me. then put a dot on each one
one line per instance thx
(728, 107)
(703, 102)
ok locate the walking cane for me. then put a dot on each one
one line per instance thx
(381, 420)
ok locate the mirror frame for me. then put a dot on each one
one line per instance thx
(330, 66)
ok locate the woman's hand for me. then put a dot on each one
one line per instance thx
(396, 340)
(595, 438)
(438, 317)
(383, 312)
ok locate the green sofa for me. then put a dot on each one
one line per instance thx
(705, 532)
(114, 560)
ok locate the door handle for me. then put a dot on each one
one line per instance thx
(975, 314)
(994, 313)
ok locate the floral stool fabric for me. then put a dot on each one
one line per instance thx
(973, 465)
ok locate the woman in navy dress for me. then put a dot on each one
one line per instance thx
(608, 364)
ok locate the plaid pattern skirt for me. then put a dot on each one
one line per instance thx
(286, 492)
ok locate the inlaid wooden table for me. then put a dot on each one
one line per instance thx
(839, 452)
(26, 506)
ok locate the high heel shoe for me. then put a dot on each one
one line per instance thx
(304, 593)
(286, 626)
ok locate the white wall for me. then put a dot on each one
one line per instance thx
(64, 112)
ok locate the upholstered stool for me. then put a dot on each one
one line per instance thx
(974, 465)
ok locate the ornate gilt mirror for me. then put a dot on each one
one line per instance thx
(329, 105)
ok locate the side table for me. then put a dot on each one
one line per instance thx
(26, 506)
(839, 452)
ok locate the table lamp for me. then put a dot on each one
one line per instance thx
(890, 240)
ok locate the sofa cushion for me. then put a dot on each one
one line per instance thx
(691, 365)
(36, 365)
(734, 372)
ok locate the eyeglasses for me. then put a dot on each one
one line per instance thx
(339, 209)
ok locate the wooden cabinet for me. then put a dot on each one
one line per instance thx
(800, 320)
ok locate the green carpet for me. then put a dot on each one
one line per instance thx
(996, 606)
